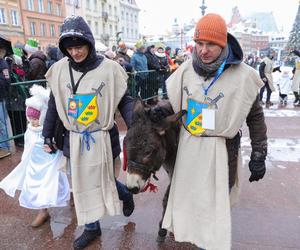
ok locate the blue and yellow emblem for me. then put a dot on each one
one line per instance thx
(83, 108)
(194, 117)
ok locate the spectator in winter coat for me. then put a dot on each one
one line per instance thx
(139, 63)
(53, 55)
(4, 84)
(86, 91)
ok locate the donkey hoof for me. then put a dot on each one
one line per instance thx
(160, 239)
(162, 233)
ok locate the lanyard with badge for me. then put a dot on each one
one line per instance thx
(201, 115)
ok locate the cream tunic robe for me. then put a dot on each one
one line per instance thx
(296, 78)
(198, 209)
(93, 182)
(268, 72)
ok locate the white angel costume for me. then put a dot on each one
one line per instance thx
(37, 176)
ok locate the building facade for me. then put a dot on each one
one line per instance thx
(75, 7)
(42, 20)
(129, 21)
(11, 24)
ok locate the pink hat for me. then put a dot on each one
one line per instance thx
(32, 113)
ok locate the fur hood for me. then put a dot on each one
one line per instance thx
(39, 101)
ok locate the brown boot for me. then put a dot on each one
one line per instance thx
(41, 218)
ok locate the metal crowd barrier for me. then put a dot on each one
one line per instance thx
(146, 84)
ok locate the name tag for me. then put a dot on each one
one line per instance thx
(208, 118)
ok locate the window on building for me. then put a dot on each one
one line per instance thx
(103, 7)
(2, 15)
(123, 30)
(14, 18)
(109, 10)
(126, 16)
(58, 9)
(49, 7)
(115, 11)
(88, 4)
(96, 28)
(32, 28)
(135, 18)
(95, 5)
(131, 17)
(122, 15)
(40, 6)
(52, 30)
(30, 5)
(110, 30)
(59, 29)
(127, 32)
(43, 29)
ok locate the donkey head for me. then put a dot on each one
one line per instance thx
(146, 145)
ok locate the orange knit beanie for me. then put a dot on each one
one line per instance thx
(212, 28)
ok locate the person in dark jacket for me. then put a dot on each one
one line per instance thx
(53, 55)
(88, 72)
(4, 84)
(153, 64)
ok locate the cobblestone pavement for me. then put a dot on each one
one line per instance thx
(266, 217)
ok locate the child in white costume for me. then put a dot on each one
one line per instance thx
(38, 177)
(284, 85)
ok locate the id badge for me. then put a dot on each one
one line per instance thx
(208, 118)
(73, 107)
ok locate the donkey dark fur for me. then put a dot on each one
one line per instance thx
(152, 140)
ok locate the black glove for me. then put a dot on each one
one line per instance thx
(277, 69)
(48, 141)
(257, 166)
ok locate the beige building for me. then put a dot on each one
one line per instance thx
(129, 21)
(42, 20)
(11, 24)
(103, 19)
(75, 7)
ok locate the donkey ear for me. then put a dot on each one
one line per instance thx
(169, 121)
(138, 105)
(138, 111)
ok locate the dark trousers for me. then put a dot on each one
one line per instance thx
(262, 90)
(124, 195)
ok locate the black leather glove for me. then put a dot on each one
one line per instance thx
(257, 166)
(277, 69)
(49, 142)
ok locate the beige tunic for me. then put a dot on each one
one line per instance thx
(296, 78)
(93, 182)
(198, 209)
(268, 71)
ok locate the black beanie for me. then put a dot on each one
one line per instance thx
(73, 42)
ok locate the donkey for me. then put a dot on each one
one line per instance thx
(151, 142)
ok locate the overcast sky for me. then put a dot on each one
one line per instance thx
(157, 16)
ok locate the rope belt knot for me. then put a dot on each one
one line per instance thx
(87, 138)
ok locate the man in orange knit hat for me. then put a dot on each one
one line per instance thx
(219, 92)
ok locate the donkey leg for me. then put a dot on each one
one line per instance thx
(162, 233)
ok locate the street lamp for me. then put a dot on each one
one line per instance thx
(203, 7)
(118, 38)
